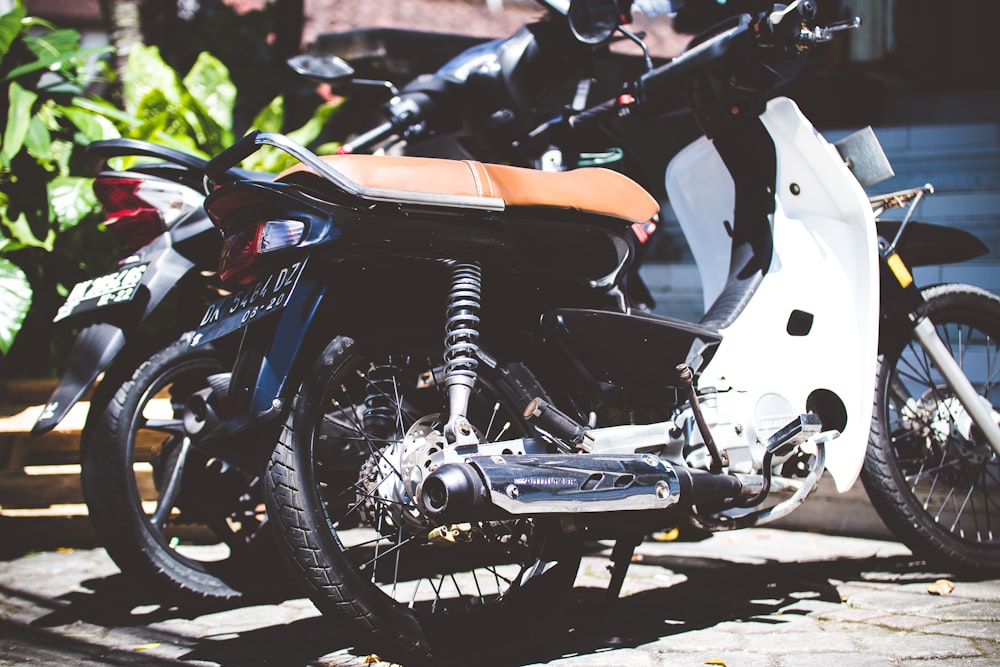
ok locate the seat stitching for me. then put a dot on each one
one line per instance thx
(475, 175)
(489, 181)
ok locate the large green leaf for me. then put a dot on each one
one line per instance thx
(15, 300)
(38, 141)
(18, 120)
(20, 232)
(132, 125)
(51, 60)
(91, 125)
(208, 82)
(272, 117)
(145, 71)
(53, 42)
(10, 28)
(72, 198)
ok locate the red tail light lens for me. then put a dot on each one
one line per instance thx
(243, 248)
(140, 209)
(133, 220)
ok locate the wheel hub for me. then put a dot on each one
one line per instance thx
(392, 476)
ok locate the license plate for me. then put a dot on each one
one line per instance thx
(107, 290)
(266, 297)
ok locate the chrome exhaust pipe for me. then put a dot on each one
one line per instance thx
(490, 487)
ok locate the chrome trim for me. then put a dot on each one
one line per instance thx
(311, 160)
(733, 521)
(557, 484)
(980, 411)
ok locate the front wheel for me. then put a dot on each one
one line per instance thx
(340, 485)
(932, 477)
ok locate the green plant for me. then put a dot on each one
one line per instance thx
(194, 113)
(41, 69)
(50, 236)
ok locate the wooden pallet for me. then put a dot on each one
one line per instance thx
(43, 472)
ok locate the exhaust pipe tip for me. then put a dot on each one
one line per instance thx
(453, 492)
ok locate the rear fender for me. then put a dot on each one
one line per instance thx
(927, 244)
(266, 373)
(92, 351)
(98, 343)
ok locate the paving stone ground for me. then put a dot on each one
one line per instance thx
(759, 597)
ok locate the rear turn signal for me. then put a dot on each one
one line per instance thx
(243, 247)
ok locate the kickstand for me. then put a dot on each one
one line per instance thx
(621, 557)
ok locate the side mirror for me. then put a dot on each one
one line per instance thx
(339, 74)
(593, 21)
(326, 68)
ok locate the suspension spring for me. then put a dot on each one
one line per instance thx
(461, 339)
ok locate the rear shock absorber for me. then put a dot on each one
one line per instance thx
(461, 347)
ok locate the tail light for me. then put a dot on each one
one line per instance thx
(243, 248)
(140, 209)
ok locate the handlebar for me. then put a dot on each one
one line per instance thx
(405, 112)
(775, 29)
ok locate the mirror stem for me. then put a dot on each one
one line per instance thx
(642, 45)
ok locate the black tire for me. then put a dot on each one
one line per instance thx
(213, 543)
(327, 496)
(935, 487)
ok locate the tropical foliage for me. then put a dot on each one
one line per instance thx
(41, 69)
(50, 236)
(194, 113)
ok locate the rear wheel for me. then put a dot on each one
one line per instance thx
(170, 514)
(340, 483)
(930, 474)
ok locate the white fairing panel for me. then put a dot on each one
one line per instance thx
(701, 192)
(825, 264)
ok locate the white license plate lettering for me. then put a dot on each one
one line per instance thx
(106, 290)
(240, 309)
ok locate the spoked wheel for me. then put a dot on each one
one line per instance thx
(930, 473)
(341, 485)
(170, 513)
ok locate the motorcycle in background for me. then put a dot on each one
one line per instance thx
(136, 438)
(466, 394)
(931, 470)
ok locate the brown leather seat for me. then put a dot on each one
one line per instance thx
(591, 189)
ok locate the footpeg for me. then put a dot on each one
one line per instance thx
(793, 434)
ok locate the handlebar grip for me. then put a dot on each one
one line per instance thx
(231, 157)
(363, 141)
(597, 113)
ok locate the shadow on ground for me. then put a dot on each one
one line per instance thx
(712, 591)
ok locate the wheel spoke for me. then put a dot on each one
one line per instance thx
(168, 497)
(376, 431)
(170, 426)
(379, 556)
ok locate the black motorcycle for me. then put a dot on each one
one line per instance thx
(151, 429)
